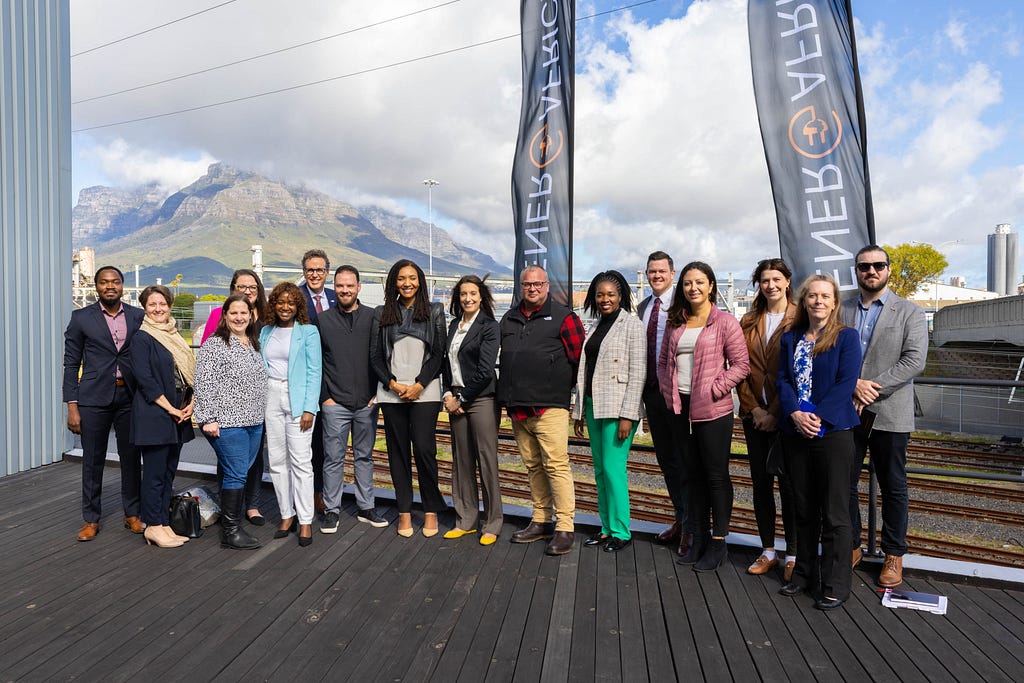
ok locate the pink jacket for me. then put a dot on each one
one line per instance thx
(721, 340)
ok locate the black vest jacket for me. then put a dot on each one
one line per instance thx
(534, 370)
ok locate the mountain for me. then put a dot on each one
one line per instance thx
(205, 230)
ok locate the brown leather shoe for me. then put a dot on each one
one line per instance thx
(858, 555)
(670, 534)
(89, 531)
(134, 525)
(787, 571)
(685, 541)
(561, 544)
(762, 565)
(534, 531)
(892, 572)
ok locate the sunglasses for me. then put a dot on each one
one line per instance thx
(878, 266)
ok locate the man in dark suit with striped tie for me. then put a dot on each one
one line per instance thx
(653, 311)
(319, 298)
(96, 341)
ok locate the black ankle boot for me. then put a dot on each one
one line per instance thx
(700, 542)
(231, 533)
(713, 557)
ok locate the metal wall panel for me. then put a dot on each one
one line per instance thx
(35, 228)
(996, 320)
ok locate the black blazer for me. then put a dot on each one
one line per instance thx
(151, 425)
(477, 355)
(88, 345)
(332, 300)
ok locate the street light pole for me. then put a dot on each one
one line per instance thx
(430, 183)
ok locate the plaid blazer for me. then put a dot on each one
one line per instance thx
(620, 373)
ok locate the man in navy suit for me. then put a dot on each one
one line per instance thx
(97, 341)
(315, 266)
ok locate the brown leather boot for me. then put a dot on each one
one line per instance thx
(534, 531)
(561, 544)
(892, 572)
(685, 541)
(670, 534)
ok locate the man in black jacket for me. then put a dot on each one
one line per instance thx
(96, 341)
(347, 400)
(541, 343)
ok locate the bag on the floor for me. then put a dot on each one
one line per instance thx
(185, 517)
(209, 510)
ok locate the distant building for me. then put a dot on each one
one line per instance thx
(957, 281)
(932, 296)
(1002, 260)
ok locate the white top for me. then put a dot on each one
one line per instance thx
(278, 347)
(684, 358)
(453, 350)
(771, 323)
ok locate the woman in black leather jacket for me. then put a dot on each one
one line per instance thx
(407, 343)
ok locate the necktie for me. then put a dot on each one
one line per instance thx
(317, 305)
(652, 343)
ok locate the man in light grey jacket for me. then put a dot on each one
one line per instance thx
(894, 341)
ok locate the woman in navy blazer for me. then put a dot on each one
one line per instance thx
(818, 369)
(469, 379)
(164, 369)
(291, 349)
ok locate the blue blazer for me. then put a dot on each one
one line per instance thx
(151, 425)
(332, 300)
(88, 345)
(834, 376)
(305, 367)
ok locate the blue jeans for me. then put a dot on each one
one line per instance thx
(237, 448)
(889, 459)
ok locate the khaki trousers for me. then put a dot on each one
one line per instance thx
(543, 445)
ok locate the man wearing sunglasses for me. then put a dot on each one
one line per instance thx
(894, 342)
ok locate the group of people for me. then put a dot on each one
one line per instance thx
(819, 382)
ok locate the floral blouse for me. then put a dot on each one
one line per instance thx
(802, 366)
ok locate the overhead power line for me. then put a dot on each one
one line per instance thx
(352, 74)
(265, 54)
(153, 28)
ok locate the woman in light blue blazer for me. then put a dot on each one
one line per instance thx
(291, 349)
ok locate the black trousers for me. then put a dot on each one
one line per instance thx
(706, 447)
(758, 443)
(414, 423)
(159, 463)
(819, 470)
(668, 451)
(96, 424)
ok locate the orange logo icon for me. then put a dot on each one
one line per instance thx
(814, 137)
(545, 147)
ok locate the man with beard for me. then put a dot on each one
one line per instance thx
(894, 342)
(96, 341)
(347, 400)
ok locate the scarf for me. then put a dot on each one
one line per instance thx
(166, 334)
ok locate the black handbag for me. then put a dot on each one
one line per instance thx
(186, 519)
(773, 464)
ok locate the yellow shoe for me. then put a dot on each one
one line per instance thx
(488, 539)
(458, 533)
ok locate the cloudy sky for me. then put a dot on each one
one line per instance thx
(668, 151)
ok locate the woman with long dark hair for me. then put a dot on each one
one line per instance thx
(469, 377)
(407, 343)
(818, 370)
(610, 380)
(703, 358)
(231, 399)
(161, 419)
(291, 348)
(771, 315)
(247, 282)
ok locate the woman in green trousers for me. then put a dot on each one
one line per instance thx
(610, 380)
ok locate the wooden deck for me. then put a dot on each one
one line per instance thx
(367, 605)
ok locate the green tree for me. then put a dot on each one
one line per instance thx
(212, 297)
(912, 264)
(184, 300)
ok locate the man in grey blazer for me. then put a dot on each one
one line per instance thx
(894, 341)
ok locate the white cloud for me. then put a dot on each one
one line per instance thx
(127, 166)
(955, 32)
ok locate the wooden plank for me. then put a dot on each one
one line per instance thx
(659, 666)
(607, 649)
(751, 630)
(507, 650)
(713, 663)
(558, 645)
(532, 643)
(682, 641)
(1000, 606)
(584, 617)
(725, 629)
(633, 656)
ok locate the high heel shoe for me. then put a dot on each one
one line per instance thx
(169, 532)
(283, 533)
(405, 518)
(305, 540)
(428, 529)
(153, 536)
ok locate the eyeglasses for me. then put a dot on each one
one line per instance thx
(533, 285)
(866, 267)
(247, 289)
(316, 271)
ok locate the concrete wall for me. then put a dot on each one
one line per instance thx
(35, 228)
